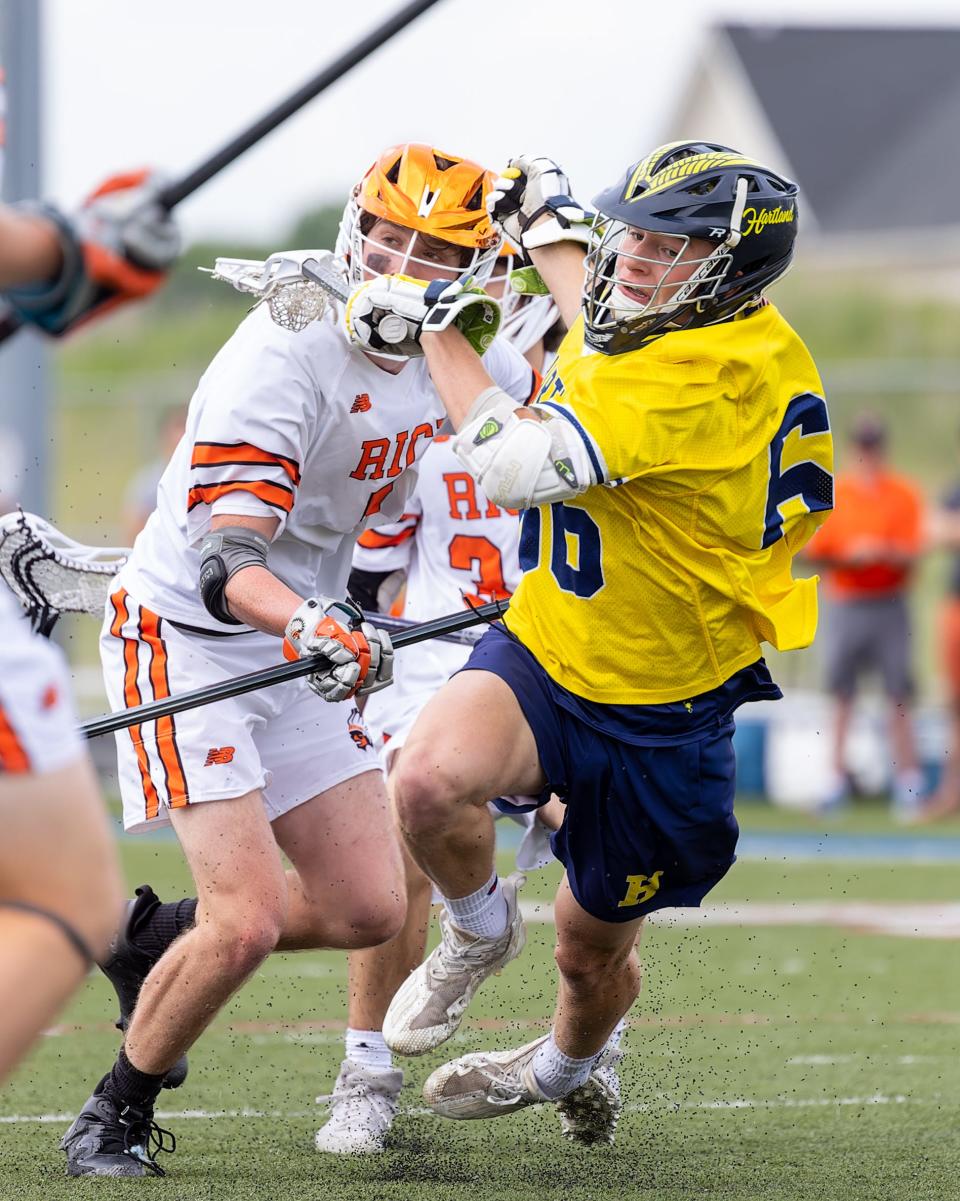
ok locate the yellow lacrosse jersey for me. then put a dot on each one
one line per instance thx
(716, 457)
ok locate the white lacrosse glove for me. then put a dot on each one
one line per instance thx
(531, 188)
(390, 313)
(354, 657)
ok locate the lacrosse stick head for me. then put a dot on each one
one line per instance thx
(293, 300)
(50, 573)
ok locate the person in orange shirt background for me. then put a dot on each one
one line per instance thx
(867, 551)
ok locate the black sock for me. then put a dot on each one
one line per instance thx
(129, 1084)
(159, 925)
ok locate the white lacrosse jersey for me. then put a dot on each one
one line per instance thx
(298, 426)
(457, 549)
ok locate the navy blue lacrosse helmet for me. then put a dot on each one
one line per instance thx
(689, 190)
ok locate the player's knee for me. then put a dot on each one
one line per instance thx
(377, 926)
(586, 967)
(241, 942)
(370, 920)
(425, 795)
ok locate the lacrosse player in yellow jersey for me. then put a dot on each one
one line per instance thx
(675, 460)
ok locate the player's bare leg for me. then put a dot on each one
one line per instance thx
(347, 887)
(365, 1097)
(342, 892)
(599, 976)
(470, 743)
(375, 973)
(241, 912)
(72, 877)
(246, 904)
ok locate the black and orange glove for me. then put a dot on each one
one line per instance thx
(118, 247)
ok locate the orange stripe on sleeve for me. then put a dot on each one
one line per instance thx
(535, 386)
(177, 794)
(131, 697)
(216, 454)
(13, 757)
(374, 540)
(277, 495)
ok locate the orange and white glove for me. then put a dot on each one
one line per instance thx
(354, 657)
(117, 247)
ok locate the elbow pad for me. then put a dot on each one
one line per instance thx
(222, 554)
(523, 457)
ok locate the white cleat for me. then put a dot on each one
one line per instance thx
(430, 1004)
(589, 1114)
(363, 1105)
(486, 1084)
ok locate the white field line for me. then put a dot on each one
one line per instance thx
(212, 1115)
(918, 919)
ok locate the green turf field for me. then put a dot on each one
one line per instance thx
(786, 1062)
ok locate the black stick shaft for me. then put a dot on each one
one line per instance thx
(180, 189)
(280, 674)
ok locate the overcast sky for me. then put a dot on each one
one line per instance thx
(128, 83)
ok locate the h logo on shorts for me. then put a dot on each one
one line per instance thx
(219, 754)
(640, 889)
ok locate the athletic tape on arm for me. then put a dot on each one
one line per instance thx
(223, 553)
(523, 457)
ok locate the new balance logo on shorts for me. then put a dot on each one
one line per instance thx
(219, 754)
(361, 403)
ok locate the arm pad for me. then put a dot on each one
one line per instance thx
(222, 554)
(522, 457)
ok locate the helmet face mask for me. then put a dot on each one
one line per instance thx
(742, 214)
(633, 292)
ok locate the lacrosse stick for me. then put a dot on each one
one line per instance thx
(280, 674)
(50, 573)
(294, 285)
(179, 190)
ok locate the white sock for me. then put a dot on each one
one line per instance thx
(557, 1074)
(367, 1048)
(614, 1040)
(483, 912)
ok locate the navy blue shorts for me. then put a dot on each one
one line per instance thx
(648, 788)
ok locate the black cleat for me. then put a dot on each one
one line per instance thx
(111, 1139)
(127, 966)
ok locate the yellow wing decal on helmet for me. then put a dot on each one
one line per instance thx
(683, 168)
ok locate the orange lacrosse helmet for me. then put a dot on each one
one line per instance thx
(428, 192)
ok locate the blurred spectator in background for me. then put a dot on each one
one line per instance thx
(867, 550)
(944, 531)
(140, 498)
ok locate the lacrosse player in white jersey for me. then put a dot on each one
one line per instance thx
(295, 442)
(454, 547)
(60, 887)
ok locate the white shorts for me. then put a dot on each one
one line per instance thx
(283, 740)
(38, 726)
